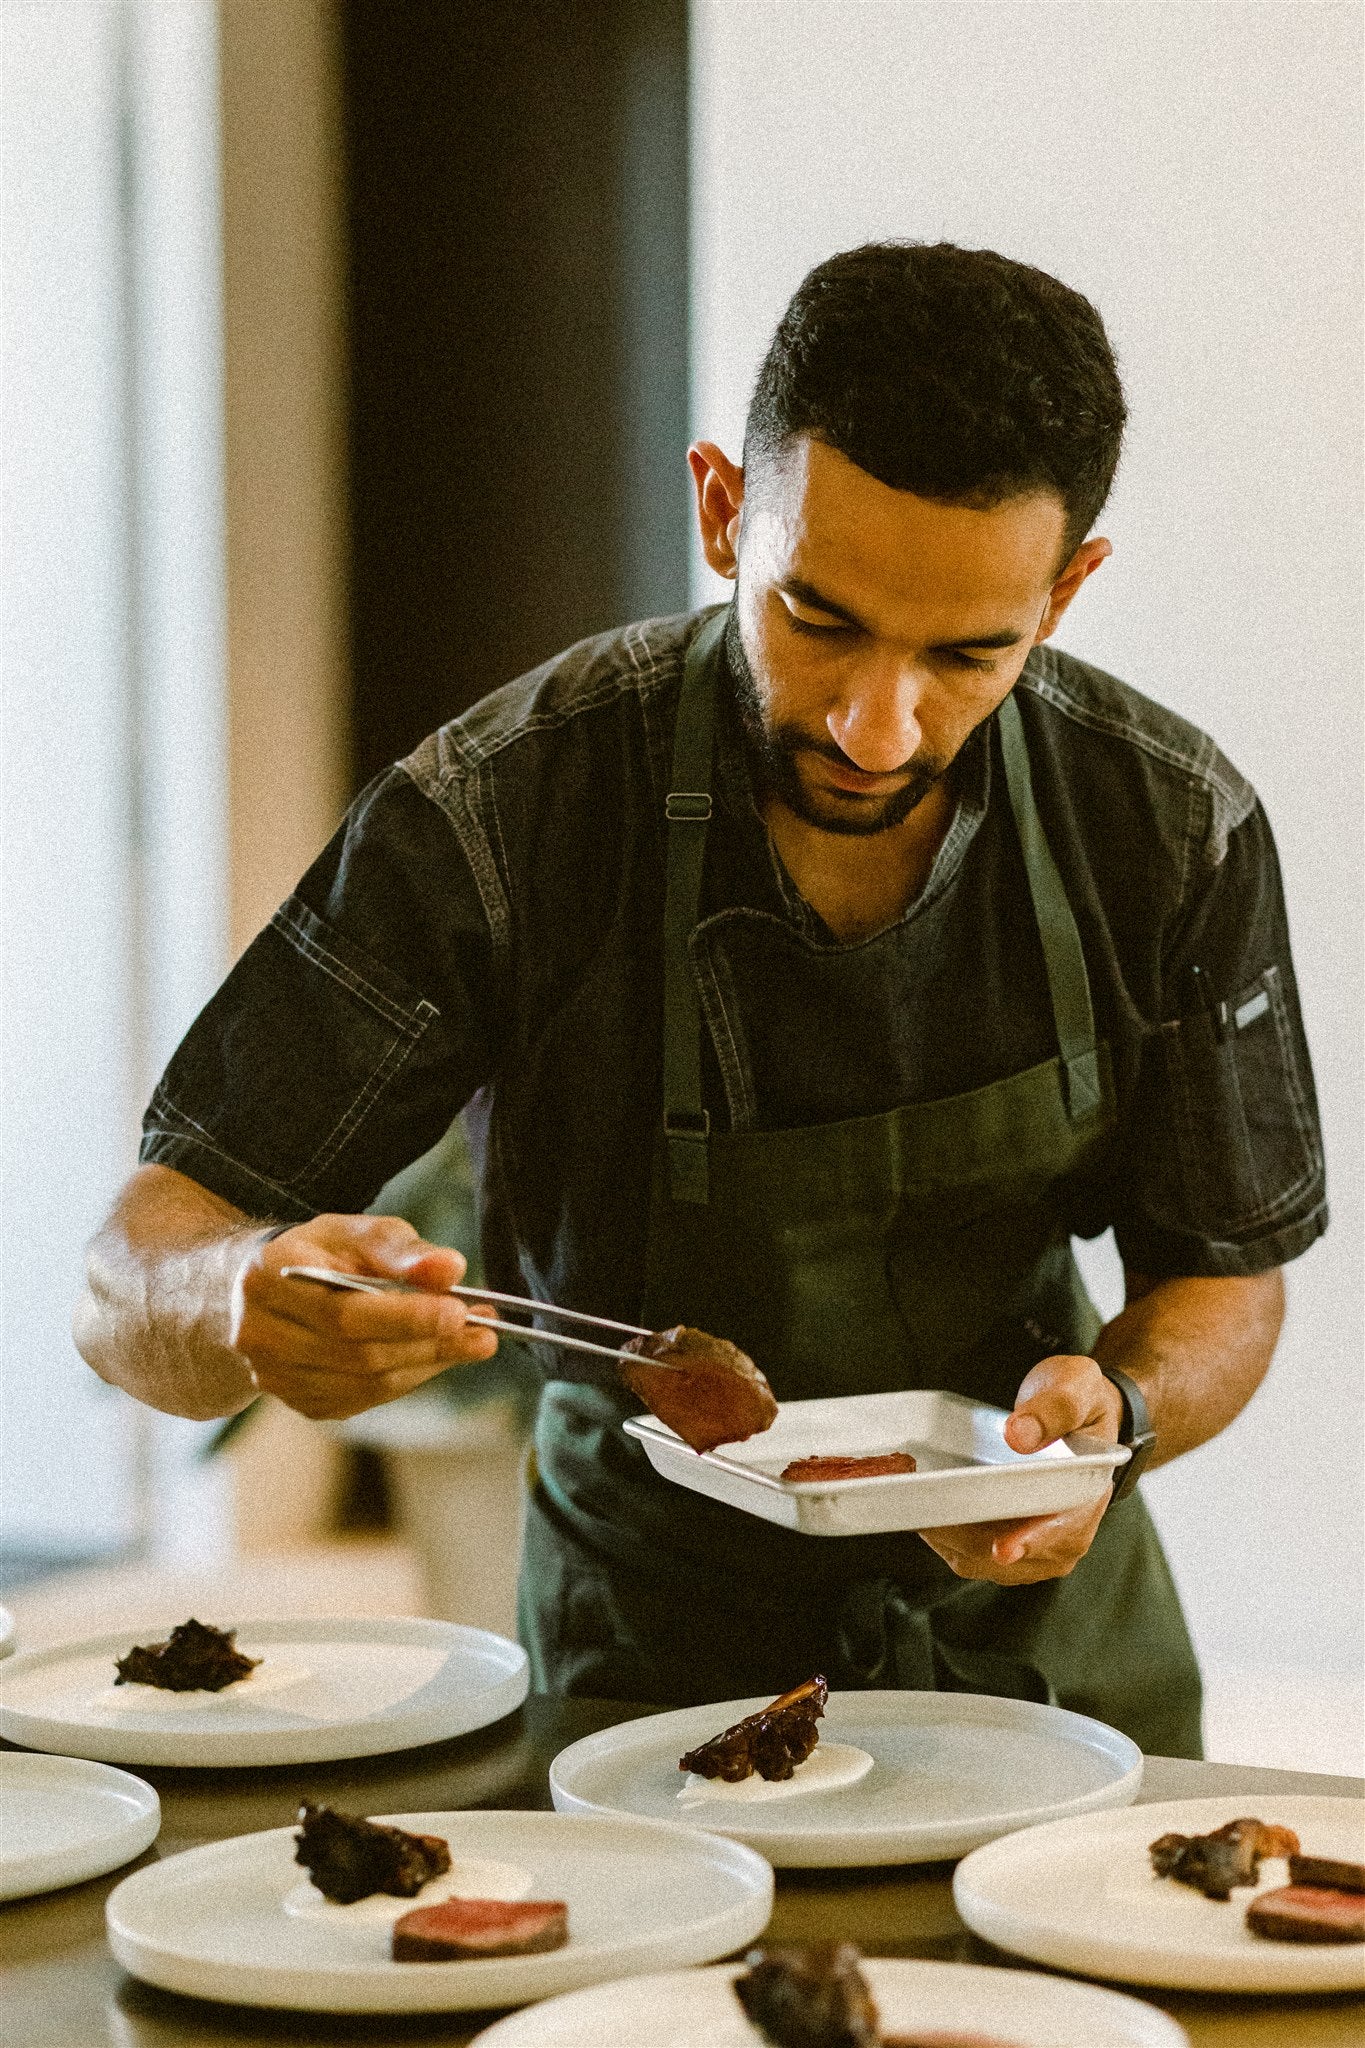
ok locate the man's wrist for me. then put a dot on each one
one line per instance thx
(1135, 1429)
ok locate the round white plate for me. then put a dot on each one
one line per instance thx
(950, 1770)
(641, 1896)
(691, 2007)
(62, 1821)
(6, 1633)
(354, 1687)
(1080, 1894)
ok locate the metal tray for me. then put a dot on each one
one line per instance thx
(967, 1472)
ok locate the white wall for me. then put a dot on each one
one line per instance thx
(113, 890)
(1195, 169)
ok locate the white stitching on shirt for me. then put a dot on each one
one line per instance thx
(412, 1022)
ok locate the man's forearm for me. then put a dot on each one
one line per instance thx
(1197, 1348)
(155, 1316)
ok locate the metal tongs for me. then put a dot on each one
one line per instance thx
(375, 1283)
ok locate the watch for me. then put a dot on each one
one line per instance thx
(1135, 1431)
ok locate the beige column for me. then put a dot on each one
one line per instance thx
(286, 624)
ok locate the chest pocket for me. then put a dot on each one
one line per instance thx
(1244, 1144)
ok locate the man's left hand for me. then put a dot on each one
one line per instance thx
(1059, 1395)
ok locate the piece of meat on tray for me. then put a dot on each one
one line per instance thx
(1338, 1876)
(880, 1467)
(814, 1997)
(461, 1930)
(714, 1394)
(194, 1658)
(938, 2039)
(349, 1858)
(1230, 1856)
(772, 1742)
(1308, 1913)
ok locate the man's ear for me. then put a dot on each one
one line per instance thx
(719, 485)
(1083, 563)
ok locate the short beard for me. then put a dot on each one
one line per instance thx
(778, 749)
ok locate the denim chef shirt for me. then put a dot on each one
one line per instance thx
(488, 918)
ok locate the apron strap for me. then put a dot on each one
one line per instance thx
(688, 811)
(1067, 979)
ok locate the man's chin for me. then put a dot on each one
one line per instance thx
(855, 816)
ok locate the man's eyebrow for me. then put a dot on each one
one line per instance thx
(1005, 637)
(806, 593)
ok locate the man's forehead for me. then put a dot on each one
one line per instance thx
(832, 527)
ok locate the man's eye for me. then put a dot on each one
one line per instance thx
(969, 661)
(809, 625)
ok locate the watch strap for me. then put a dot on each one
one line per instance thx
(1135, 1431)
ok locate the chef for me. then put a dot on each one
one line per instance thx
(823, 963)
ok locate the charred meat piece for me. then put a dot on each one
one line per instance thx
(813, 1997)
(193, 1658)
(772, 1742)
(717, 1395)
(941, 2040)
(1215, 1863)
(459, 1930)
(349, 1859)
(849, 1468)
(1329, 1871)
(1308, 1912)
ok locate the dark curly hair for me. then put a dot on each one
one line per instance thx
(957, 374)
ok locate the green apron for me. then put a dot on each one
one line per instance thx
(922, 1247)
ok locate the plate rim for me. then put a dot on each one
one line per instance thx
(49, 1870)
(324, 1742)
(874, 1847)
(1163, 2024)
(1279, 1968)
(751, 1872)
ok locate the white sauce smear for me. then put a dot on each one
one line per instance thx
(466, 1879)
(830, 1767)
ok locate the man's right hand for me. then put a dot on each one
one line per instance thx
(185, 1309)
(331, 1353)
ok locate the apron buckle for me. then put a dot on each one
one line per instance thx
(688, 806)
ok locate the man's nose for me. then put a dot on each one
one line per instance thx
(879, 728)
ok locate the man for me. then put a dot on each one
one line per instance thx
(829, 960)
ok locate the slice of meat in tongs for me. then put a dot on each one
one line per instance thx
(376, 1283)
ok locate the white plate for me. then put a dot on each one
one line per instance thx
(356, 1687)
(950, 1770)
(6, 1632)
(211, 1921)
(967, 1472)
(694, 2007)
(62, 1821)
(1080, 1894)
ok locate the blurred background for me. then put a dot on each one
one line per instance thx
(350, 355)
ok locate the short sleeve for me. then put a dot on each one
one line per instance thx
(1221, 1154)
(352, 1030)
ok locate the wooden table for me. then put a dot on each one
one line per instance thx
(61, 1988)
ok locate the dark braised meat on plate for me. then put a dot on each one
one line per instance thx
(193, 1658)
(717, 1396)
(813, 1997)
(817, 1997)
(1215, 1863)
(881, 1467)
(349, 1859)
(772, 1742)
